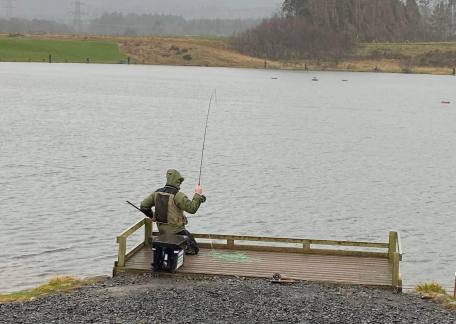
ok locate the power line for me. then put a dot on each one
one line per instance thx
(8, 5)
(358, 17)
(77, 15)
(452, 4)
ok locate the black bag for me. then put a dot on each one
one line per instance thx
(169, 251)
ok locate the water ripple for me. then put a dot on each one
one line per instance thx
(44, 252)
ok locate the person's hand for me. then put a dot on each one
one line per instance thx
(199, 190)
(203, 199)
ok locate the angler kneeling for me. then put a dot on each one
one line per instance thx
(170, 205)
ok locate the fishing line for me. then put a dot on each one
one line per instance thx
(214, 94)
(231, 256)
(205, 133)
(202, 152)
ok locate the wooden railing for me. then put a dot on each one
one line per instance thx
(307, 245)
(123, 256)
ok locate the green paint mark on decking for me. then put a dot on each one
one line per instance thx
(230, 256)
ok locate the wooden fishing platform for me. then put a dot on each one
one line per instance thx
(363, 263)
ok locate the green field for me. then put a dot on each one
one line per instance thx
(22, 49)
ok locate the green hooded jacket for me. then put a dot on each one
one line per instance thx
(173, 181)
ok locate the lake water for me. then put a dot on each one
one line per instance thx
(287, 157)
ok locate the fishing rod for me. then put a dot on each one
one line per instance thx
(213, 96)
(138, 208)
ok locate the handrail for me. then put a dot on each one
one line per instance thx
(128, 232)
(122, 239)
(228, 237)
(399, 245)
(292, 240)
(305, 248)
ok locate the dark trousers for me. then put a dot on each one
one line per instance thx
(192, 246)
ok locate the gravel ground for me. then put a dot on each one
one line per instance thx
(154, 299)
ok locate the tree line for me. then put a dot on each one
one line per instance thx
(151, 24)
(133, 24)
(312, 28)
(19, 25)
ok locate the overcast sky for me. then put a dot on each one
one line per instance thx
(62, 9)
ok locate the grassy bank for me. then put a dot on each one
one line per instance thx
(434, 58)
(434, 291)
(437, 58)
(61, 284)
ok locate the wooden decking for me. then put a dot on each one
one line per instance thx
(364, 263)
(258, 264)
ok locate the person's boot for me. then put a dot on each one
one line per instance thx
(191, 251)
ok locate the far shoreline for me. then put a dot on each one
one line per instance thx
(215, 52)
(437, 72)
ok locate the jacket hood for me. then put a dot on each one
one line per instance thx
(174, 178)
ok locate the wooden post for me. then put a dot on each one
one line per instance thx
(396, 270)
(50, 58)
(122, 251)
(147, 231)
(454, 291)
(230, 244)
(128, 60)
(306, 246)
(392, 244)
